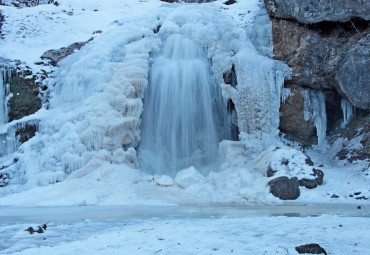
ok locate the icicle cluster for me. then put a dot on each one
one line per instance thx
(314, 109)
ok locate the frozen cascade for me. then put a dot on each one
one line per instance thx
(180, 123)
(314, 109)
(348, 110)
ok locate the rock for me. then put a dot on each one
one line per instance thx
(309, 161)
(326, 56)
(312, 248)
(292, 120)
(270, 172)
(285, 188)
(1, 21)
(229, 2)
(25, 100)
(4, 179)
(26, 3)
(353, 74)
(313, 183)
(54, 56)
(30, 230)
(315, 11)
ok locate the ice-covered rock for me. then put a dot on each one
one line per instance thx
(187, 177)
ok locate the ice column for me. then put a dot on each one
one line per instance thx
(314, 109)
(348, 110)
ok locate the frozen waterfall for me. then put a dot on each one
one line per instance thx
(183, 111)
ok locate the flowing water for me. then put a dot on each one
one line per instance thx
(183, 111)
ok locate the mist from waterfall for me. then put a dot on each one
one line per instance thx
(182, 121)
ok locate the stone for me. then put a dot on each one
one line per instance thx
(1, 21)
(312, 248)
(292, 120)
(270, 172)
(54, 56)
(326, 56)
(285, 188)
(25, 100)
(353, 75)
(313, 183)
(315, 11)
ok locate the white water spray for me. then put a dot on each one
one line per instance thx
(180, 123)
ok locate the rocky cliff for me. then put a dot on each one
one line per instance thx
(327, 45)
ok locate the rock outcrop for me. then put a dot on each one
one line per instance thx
(326, 43)
(54, 56)
(292, 120)
(25, 100)
(316, 11)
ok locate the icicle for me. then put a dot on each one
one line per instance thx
(285, 93)
(314, 109)
(348, 111)
(3, 118)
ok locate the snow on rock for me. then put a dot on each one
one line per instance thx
(163, 180)
(187, 177)
(283, 161)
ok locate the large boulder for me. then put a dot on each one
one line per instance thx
(312, 248)
(315, 11)
(285, 188)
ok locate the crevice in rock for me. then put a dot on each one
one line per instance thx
(230, 77)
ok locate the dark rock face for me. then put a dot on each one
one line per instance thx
(25, 100)
(313, 183)
(323, 61)
(285, 188)
(54, 56)
(292, 120)
(1, 21)
(312, 248)
(315, 11)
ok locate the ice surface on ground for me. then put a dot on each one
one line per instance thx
(171, 235)
(85, 145)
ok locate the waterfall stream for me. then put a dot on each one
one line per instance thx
(183, 111)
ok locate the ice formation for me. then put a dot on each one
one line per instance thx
(314, 109)
(91, 126)
(347, 109)
(183, 108)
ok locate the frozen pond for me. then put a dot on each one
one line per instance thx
(260, 229)
(77, 213)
